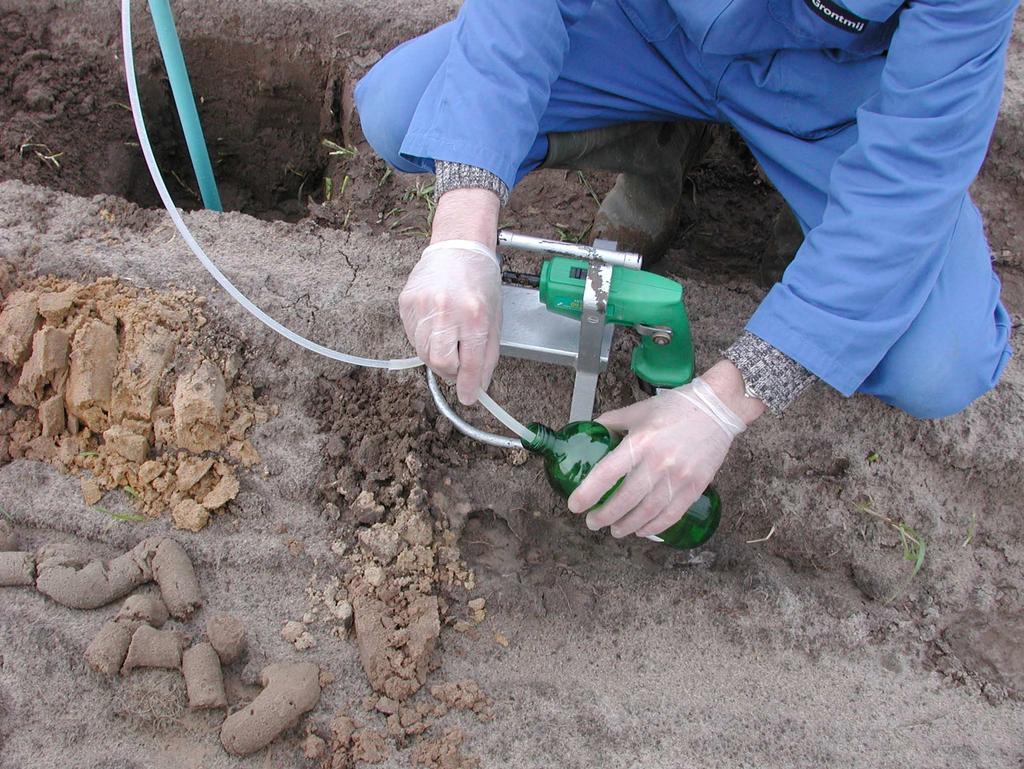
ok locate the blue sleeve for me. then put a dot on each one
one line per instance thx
(483, 107)
(864, 273)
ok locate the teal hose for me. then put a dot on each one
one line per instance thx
(174, 62)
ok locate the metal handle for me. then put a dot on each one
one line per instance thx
(625, 259)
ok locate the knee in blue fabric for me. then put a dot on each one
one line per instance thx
(384, 118)
(931, 381)
(930, 399)
(387, 96)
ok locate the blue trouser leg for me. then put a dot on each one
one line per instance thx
(957, 346)
(387, 95)
(592, 91)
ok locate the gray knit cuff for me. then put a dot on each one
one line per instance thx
(459, 176)
(769, 374)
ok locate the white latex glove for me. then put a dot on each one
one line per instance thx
(451, 310)
(675, 442)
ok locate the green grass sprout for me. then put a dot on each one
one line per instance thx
(914, 546)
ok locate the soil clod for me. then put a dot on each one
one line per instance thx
(144, 608)
(173, 572)
(289, 691)
(107, 651)
(203, 677)
(152, 648)
(17, 569)
(226, 634)
(89, 376)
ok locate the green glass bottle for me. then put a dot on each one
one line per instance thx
(571, 453)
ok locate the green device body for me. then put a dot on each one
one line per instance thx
(636, 298)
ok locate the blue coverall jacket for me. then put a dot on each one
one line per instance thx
(872, 118)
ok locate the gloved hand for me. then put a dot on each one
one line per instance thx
(451, 310)
(675, 442)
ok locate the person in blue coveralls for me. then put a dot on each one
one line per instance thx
(871, 117)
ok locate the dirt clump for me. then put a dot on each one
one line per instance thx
(396, 640)
(350, 743)
(289, 691)
(173, 572)
(18, 322)
(199, 399)
(314, 747)
(152, 648)
(67, 580)
(226, 634)
(464, 695)
(144, 608)
(109, 382)
(72, 579)
(296, 634)
(17, 569)
(107, 651)
(401, 574)
(337, 753)
(189, 515)
(370, 746)
(91, 378)
(203, 678)
(444, 752)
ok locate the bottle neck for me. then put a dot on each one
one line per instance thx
(543, 438)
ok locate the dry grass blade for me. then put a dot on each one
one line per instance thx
(124, 517)
(336, 150)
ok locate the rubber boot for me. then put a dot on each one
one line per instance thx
(642, 211)
(787, 237)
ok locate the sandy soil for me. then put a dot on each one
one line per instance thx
(777, 653)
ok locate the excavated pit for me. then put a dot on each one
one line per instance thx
(264, 110)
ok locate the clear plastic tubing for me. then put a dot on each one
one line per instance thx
(505, 418)
(179, 223)
(165, 196)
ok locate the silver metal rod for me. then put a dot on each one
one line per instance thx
(588, 359)
(464, 427)
(576, 250)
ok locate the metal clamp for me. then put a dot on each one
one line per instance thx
(588, 358)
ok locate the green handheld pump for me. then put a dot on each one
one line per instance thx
(650, 304)
(585, 291)
(607, 287)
